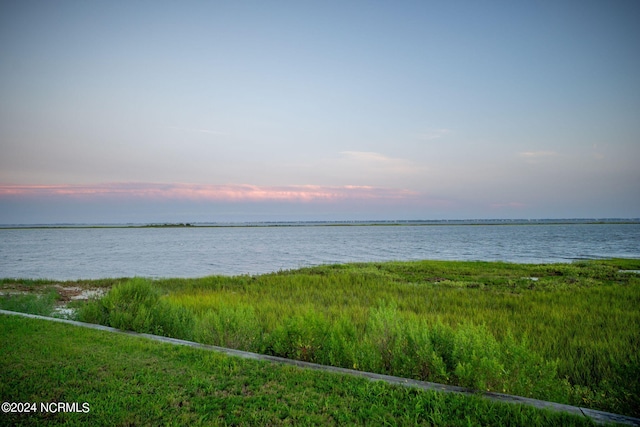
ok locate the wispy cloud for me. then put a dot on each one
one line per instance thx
(432, 134)
(380, 162)
(537, 154)
(537, 157)
(198, 130)
(207, 192)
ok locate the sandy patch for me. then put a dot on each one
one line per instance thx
(75, 293)
(67, 294)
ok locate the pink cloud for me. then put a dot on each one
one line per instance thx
(208, 192)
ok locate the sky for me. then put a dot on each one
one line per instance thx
(204, 111)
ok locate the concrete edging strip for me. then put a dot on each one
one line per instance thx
(599, 417)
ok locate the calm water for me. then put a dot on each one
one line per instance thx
(193, 252)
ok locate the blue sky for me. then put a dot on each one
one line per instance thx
(233, 111)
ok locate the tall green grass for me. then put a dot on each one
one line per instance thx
(41, 304)
(563, 332)
(136, 305)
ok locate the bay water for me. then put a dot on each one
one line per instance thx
(90, 253)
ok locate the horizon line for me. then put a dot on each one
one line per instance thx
(274, 223)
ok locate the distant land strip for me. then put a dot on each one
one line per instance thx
(599, 417)
(569, 221)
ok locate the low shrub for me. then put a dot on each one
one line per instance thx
(468, 356)
(231, 327)
(476, 359)
(342, 348)
(136, 305)
(93, 311)
(301, 337)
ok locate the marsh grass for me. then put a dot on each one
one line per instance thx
(136, 305)
(563, 332)
(41, 304)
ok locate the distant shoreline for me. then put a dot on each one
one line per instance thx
(355, 223)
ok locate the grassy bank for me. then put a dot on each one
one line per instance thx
(569, 333)
(131, 381)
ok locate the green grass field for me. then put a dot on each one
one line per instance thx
(130, 381)
(568, 333)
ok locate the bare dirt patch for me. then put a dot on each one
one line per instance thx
(76, 293)
(66, 293)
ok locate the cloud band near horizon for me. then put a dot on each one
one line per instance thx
(209, 192)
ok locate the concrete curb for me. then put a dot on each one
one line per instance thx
(598, 417)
